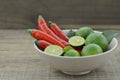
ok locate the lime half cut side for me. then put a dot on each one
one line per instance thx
(76, 41)
(54, 50)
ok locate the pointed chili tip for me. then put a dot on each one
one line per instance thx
(30, 31)
(37, 42)
(40, 17)
(50, 23)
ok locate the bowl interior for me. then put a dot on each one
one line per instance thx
(112, 45)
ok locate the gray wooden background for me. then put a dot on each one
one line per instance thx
(23, 13)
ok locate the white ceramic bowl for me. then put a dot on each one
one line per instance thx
(78, 65)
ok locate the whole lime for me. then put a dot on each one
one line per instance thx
(71, 53)
(84, 31)
(91, 49)
(99, 39)
(67, 48)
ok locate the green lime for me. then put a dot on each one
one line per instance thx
(91, 49)
(99, 39)
(67, 48)
(71, 53)
(54, 50)
(76, 41)
(110, 34)
(84, 32)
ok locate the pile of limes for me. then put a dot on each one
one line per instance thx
(83, 42)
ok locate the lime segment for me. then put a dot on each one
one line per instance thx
(54, 50)
(76, 41)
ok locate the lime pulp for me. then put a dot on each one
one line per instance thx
(76, 41)
(54, 50)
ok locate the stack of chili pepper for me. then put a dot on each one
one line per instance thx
(47, 35)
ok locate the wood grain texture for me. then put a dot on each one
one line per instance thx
(20, 61)
(21, 14)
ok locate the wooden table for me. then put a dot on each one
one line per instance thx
(20, 61)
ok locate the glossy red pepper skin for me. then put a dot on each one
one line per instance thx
(54, 27)
(42, 44)
(43, 27)
(40, 35)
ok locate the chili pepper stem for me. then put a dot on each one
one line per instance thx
(30, 31)
(40, 17)
(50, 23)
(36, 42)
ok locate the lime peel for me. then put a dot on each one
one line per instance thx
(91, 49)
(72, 53)
(67, 48)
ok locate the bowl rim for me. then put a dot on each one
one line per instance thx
(106, 52)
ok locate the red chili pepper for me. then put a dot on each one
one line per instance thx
(42, 44)
(40, 28)
(43, 26)
(41, 23)
(54, 27)
(40, 35)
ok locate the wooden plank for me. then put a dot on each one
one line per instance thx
(23, 14)
(20, 61)
(96, 27)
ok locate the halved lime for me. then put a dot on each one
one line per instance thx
(76, 41)
(54, 50)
